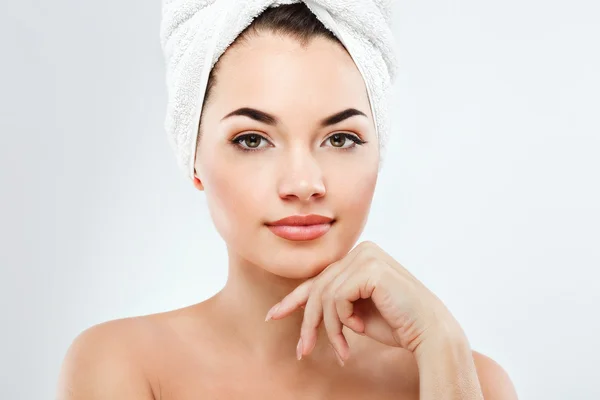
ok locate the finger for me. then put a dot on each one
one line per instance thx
(333, 325)
(370, 249)
(313, 315)
(299, 296)
(360, 285)
(291, 302)
(314, 312)
(341, 279)
(351, 321)
(334, 269)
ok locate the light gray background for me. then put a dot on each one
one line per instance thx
(490, 193)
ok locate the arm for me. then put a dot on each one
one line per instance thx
(450, 370)
(98, 366)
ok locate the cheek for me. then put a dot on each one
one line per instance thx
(353, 191)
(233, 194)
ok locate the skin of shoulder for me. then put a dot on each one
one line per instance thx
(106, 362)
(103, 363)
(494, 380)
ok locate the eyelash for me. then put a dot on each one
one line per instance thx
(237, 141)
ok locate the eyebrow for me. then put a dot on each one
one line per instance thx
(269, 119)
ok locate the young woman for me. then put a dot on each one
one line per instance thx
(287, 157)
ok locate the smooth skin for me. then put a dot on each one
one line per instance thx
(395, 339)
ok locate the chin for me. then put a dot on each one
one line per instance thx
(295, 270)
(302, 259)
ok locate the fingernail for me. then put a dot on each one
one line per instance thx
(337, 355)
(299, 350)
(272, 311)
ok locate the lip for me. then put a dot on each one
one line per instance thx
(301, 227)
(299, 220)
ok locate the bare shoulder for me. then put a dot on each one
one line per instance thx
(123, 358)
(103, 362)
(495, 381)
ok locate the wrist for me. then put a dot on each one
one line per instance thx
(445, 362)
(447, 369)
(446, 338)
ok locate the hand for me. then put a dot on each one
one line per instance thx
(373, 295)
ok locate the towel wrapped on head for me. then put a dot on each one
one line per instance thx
(195, 33)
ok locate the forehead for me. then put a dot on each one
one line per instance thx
(270, 70)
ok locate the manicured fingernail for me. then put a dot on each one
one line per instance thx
(337, 355)
(299, 350)
(272, 311)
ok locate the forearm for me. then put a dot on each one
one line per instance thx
(447, 369)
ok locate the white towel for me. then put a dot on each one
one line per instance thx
(195, 33)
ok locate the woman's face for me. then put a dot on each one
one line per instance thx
(256, 169)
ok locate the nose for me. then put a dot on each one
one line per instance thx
(301, 177)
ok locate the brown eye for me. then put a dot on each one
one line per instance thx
(344, 141)
(337, 140)
(252, 141)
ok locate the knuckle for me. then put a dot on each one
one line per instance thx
(327, 296)
(368, 262)
(327, 291)
(367, 244)
(338, 297)
(368, 253)
(372, 265)
(345, 321)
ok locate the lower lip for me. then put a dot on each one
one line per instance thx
(300, 232)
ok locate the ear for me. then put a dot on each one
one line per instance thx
(197, 183)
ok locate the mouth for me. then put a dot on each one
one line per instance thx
(301, 227)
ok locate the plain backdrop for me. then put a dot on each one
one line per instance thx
(489, 195)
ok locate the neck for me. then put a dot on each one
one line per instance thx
(243, 304)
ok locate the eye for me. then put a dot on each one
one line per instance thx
(344, 140)
(251, 141)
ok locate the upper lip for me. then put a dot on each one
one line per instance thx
(311, 219)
